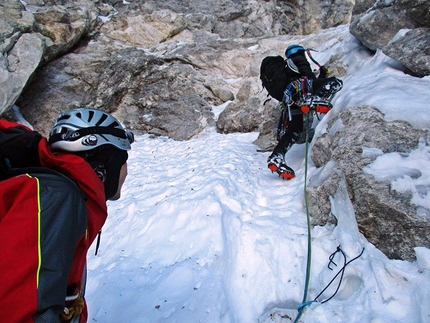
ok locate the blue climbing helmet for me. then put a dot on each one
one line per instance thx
(292, 49)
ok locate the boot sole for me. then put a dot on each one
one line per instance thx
(273, 167)
(286, 175)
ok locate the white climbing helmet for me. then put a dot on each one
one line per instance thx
(85, 129)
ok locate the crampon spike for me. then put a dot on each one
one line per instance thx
(273, 167)
(286, 175)
(322, 109)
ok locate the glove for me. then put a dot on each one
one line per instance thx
(324, 71)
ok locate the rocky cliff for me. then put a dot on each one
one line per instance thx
(401, 29)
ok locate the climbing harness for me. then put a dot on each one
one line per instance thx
(286, 114)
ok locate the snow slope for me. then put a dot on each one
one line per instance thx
(205, 232)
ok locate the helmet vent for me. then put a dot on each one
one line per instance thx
(102, 118)
(114, 124)
(65, 117)
(90, 115)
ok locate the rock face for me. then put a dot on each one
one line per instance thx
(412, 50)
(354, 139)
(35, 34)
(399, 28)
(188, 37)
(247, 18)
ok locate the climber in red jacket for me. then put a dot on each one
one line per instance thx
(51, 213)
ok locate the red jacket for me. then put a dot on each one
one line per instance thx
(20, 254)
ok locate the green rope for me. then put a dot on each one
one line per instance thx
(308, 266)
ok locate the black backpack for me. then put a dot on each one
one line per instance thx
(18, 149)
(273, 76)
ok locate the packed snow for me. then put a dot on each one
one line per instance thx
(204, 232)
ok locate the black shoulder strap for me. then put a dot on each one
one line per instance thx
(18, 148)
(292, 66)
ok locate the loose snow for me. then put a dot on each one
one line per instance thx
(204, 232)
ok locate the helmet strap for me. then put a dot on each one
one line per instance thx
(100, 170)
(107, 162)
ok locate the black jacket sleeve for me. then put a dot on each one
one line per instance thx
(303, 65)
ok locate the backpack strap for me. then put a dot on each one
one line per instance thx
(18, 147)
(292, 66)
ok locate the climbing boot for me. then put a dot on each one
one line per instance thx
(274, 162)
(285, 171)
(315, 103)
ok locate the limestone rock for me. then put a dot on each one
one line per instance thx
(64, 26)
(361, 6)
(413, 44)
(129, 83)
(379, 27)
(35, 33)
(386, 218)
(250, 18)
(66, 23)
(19, 66)
(145, 30)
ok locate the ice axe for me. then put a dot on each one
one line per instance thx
(321, 67)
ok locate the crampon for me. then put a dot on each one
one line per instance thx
(315, 103)
(283, 170)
